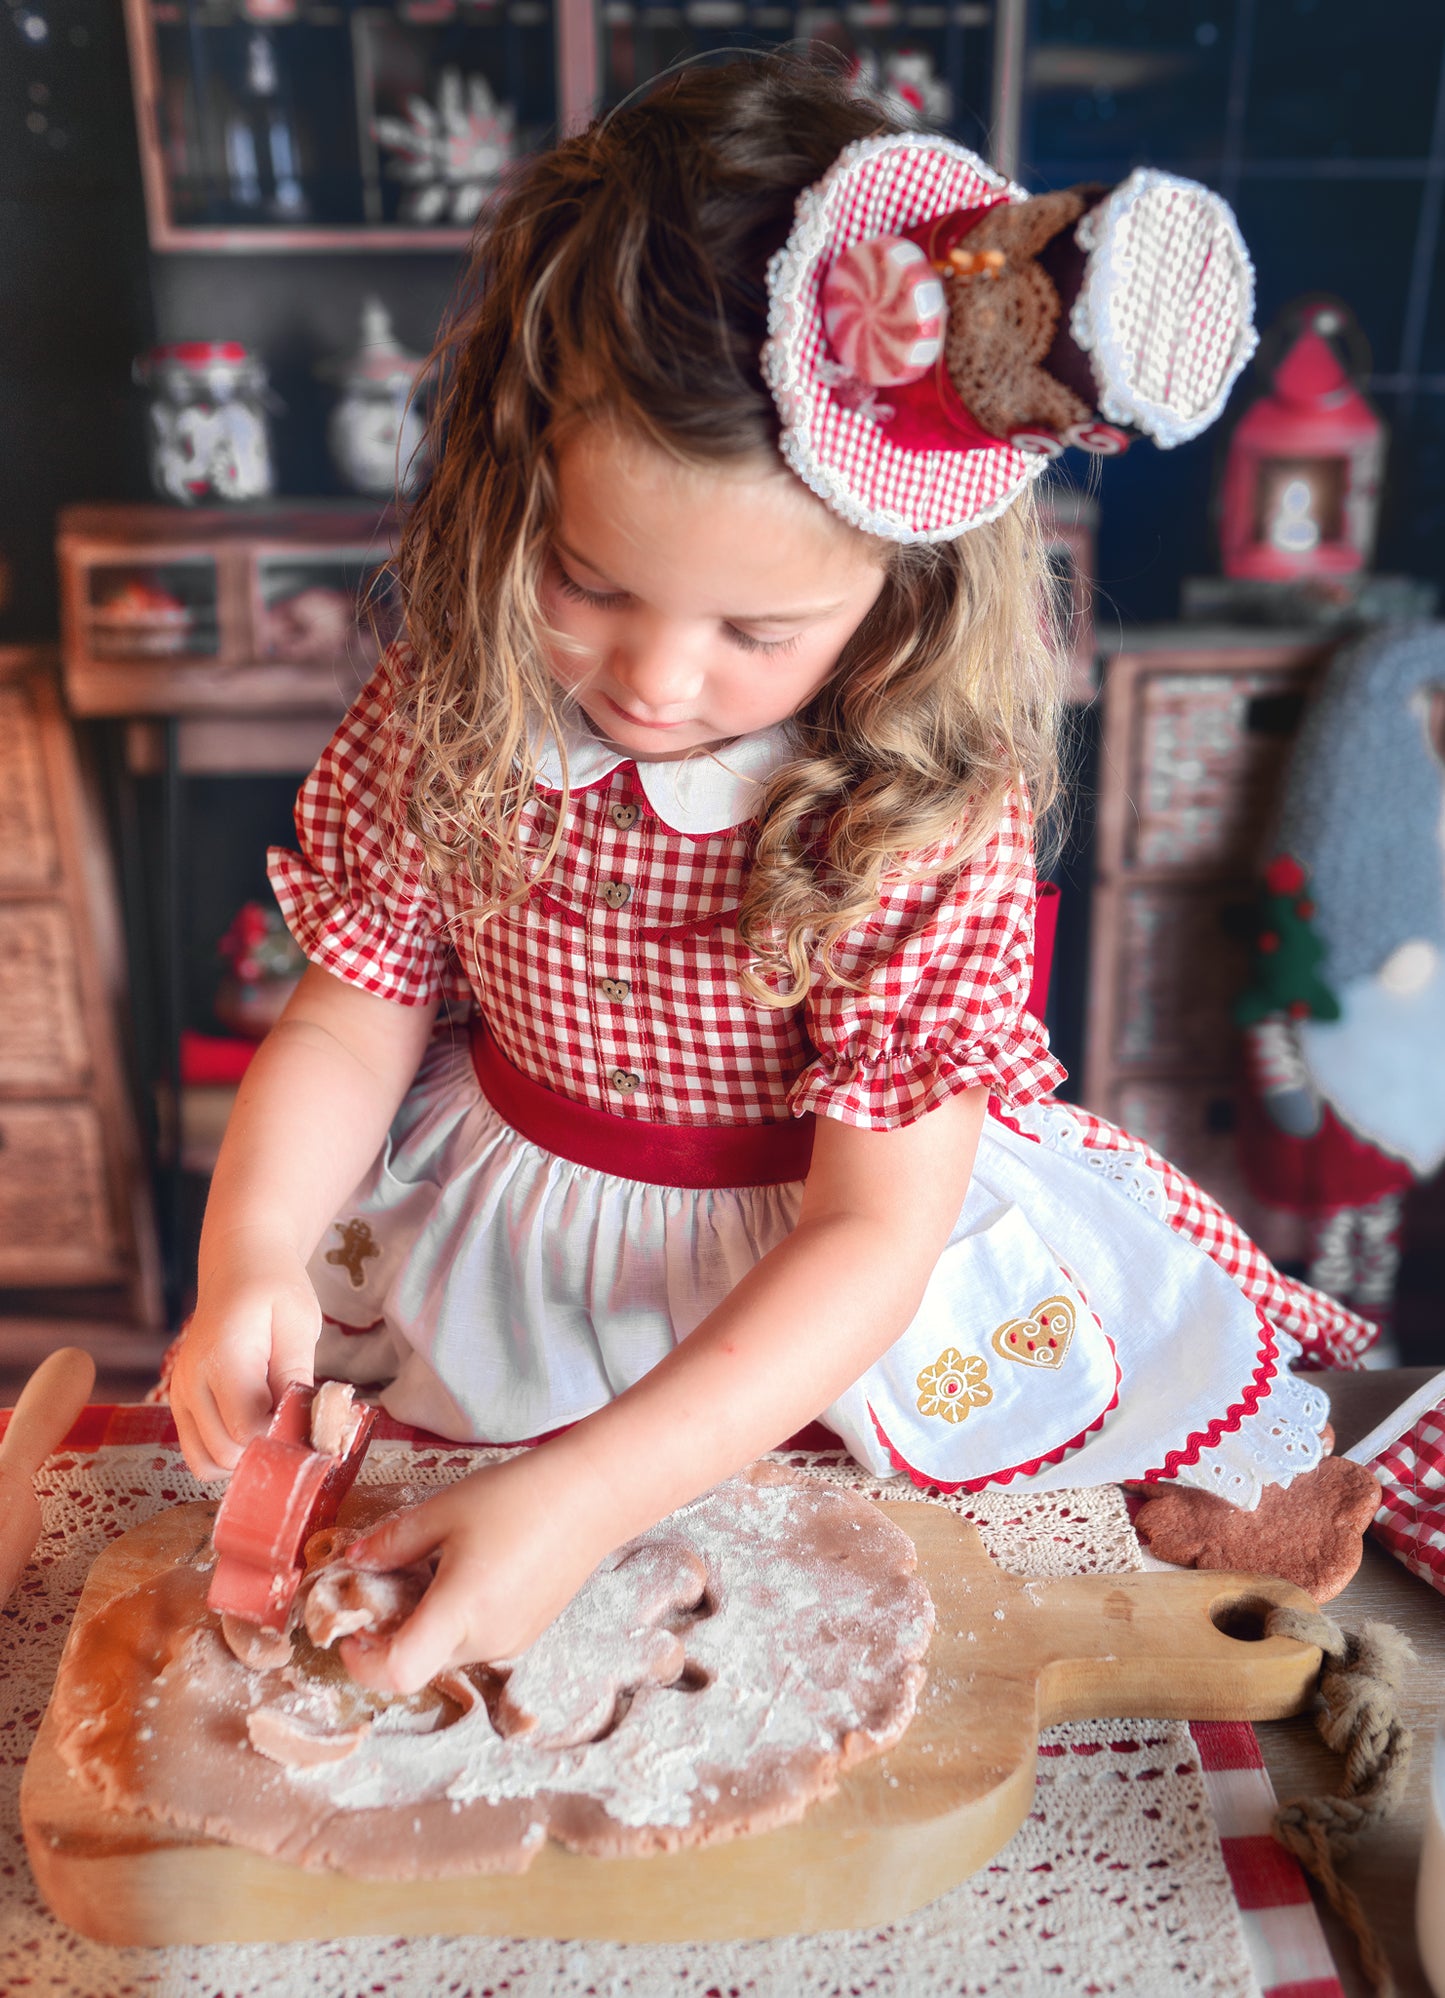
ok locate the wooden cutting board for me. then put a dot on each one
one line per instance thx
(900, 1831)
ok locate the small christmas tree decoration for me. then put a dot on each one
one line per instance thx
(264, 966)
(1288, 954)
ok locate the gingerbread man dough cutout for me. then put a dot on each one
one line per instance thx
(624, 1631)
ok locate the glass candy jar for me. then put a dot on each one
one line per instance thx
(209, 427)
(377, 426)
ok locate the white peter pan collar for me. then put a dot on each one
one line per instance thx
(708, 791)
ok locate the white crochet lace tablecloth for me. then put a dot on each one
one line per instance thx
(1115, 1883)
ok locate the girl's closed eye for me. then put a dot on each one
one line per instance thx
(746, 641)
(598, 599)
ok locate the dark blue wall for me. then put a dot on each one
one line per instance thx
(1326, 128)
(1329, 139)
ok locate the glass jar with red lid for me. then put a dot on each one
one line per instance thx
(209, 422)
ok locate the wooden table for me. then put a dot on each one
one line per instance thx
(1383, 1867)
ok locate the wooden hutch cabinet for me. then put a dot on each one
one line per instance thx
(214, 643)
(386, 124)
(250, 628)
(1197, 723)
(75, 1208)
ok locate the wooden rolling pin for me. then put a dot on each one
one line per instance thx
(49, 1402)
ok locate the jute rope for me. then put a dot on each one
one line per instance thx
(1359, 1718)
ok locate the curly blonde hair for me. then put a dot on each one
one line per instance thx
(624, 271)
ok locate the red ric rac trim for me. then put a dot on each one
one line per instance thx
(352, 1331)
(928, 1483)
(1226, 1424)
(550, 905)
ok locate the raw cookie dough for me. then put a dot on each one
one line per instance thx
(626, 1630)
(335, 1418)
(262, 1650)
(339, 1600)
(1310, 1532)
(344, 1601)
(801, 1626)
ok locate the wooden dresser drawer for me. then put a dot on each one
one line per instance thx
(1181, 962)
(29, 855)
(43, 1044)
(1210, 748)
(1197, 727)
(75, 1207)
(56, 1221)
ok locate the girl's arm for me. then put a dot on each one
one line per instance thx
(309, 1117)
(518, 1540)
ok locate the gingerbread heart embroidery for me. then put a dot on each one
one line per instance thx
(1040, 1340)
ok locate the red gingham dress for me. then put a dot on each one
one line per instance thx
(615, 984)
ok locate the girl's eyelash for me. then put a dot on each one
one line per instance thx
(601, 599)
(750, 644)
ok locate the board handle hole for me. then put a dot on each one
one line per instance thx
(1243, 1618)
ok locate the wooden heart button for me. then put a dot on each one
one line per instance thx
(1042, 1339)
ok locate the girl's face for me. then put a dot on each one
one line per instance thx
(694, 604)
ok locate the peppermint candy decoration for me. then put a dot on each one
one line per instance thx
(1101, 440)
(883, 311)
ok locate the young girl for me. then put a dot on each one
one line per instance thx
(705, 773)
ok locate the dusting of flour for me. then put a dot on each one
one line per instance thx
(787, 1611)
(793, 1658)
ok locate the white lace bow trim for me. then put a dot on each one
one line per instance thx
(1052, 1126)
(1138, 312)
(1274, 1445)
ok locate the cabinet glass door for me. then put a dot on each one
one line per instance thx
(329, 123)
(931, 62)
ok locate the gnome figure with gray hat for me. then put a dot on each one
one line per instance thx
(1344, 1023)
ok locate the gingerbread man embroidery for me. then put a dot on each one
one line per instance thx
(357, 1245)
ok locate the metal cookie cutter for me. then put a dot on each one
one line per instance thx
(282, 1491)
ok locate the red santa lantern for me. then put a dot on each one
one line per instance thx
(1302, 476)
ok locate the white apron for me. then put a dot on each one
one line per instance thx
(1067, 1336)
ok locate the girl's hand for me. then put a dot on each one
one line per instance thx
(253, 1332)
(514, 1552)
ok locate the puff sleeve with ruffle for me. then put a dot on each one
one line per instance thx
(935, 999)
(357, 897)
